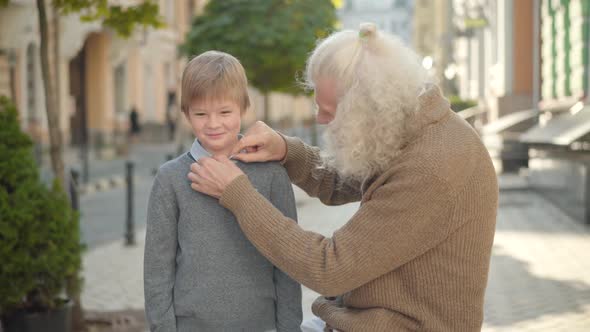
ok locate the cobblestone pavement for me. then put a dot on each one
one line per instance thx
(539, 278)
(540, 270)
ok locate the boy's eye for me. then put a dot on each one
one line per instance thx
(198, 114)
(226, 112)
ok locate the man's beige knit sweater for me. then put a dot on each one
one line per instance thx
(415, 257)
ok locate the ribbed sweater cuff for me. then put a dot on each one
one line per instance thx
(239, 187)
(295, 159)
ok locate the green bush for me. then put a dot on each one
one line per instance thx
(458, 104)
(39, 232)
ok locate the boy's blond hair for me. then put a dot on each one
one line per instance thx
(214, 75)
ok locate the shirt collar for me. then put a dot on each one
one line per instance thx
(197, 151)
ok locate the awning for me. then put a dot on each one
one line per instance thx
(471, 112)
(507, 122)
(562, 130)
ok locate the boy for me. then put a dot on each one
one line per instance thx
(200, 271)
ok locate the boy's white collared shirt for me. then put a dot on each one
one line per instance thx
(197, 151)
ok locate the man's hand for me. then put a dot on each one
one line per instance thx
(211, 176)
(261, 143)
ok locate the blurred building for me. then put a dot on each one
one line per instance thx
(100, 75)
(559, 145)
(394, 16)
(527, 62)
(432, 38)
(493, 53)
(564, 53)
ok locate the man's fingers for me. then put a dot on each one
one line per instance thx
(250, 157)
(257, 127)
(205, 161)
(240, 157)
(199, 187)
(238, 147)
(200, 169)
(241, 145)
(193, 177)
(205, 190)
(195, 167)
(247, 142)
(200, 178)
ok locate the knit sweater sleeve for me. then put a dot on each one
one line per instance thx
(403, 219)
(160, 258)
(302, 163)
(288, 303)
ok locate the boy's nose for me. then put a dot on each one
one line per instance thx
(213, 122)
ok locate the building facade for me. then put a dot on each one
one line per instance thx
(103, 76)
(565, 31)
(494, 53)
(432, 38)
(100, 75)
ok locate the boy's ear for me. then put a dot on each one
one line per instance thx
(186, 115)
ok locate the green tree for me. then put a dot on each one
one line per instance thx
(39, 232)
(272, 38)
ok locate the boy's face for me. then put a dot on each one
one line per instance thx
(216, 124)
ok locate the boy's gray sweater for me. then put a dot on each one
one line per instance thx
(200, 271)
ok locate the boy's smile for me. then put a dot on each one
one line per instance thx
(216, 124)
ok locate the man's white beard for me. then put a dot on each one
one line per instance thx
(357, 154)
(342, 155)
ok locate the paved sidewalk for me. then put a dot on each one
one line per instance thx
(540, 270)
(539, 278)
(113, 277)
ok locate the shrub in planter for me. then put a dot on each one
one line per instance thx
(39, 232)
(458, 104)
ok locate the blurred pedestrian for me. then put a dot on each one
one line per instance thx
(134, 127)
(171, 118)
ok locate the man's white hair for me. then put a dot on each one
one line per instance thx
(378, 80)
